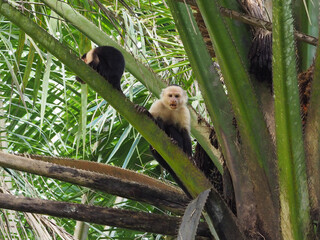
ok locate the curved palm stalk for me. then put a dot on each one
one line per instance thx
(239, 32)
(294, 200)
(191, 176)
(312, 137)
(219, 109)
(258, 147)
(140, 71)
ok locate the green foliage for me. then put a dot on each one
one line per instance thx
(47, 112)
(294, 197)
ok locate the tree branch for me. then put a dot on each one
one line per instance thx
(256, 22)
(108, 179)
(145, 222)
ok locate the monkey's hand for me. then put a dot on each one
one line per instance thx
(141, 109)
(174, 141)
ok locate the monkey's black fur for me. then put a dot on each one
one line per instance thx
(180, 137)
(108, 62)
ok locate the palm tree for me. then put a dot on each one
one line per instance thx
(272, 156)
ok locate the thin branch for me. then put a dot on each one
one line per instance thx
(30, 3)
(146, 222)
(256, 22)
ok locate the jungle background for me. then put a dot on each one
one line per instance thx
(257, 124)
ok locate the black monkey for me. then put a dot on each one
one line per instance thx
(108, 62)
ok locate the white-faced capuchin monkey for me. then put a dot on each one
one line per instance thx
(171, 114)
(108, 62)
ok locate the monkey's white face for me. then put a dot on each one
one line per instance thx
(174, 97)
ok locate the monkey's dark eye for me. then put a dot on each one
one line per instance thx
(177, 96)
(170, 95)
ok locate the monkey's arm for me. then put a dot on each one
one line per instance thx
(157, 120)
(187, 146)
(175, 134)
(181, 137)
